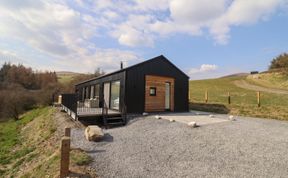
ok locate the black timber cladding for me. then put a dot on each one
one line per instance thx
(135, 84)
(132, 87)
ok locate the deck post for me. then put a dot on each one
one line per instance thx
(65, 157)
(67, 132)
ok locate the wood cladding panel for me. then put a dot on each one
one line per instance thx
(157, 103)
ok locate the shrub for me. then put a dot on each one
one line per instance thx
(280, 62)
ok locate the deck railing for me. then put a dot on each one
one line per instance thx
(89, 107)
(70, 101)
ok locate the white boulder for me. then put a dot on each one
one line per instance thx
(232, 118)
(157, 117)
(211, 116)
(145, 114)
(171, 120)
(93, 133)
(192, 124)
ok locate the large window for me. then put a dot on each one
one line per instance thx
(92, 92)
(115, 95)
(86, 92)
(97, 91)
(83, 94)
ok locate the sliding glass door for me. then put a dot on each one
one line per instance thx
(115, 95)
(107, 93)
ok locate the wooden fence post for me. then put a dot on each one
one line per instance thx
(67, 132)
(206, 96)
(65, 157)
(229, 98)
(258, 99)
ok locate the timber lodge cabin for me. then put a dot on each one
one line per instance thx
(155, 85)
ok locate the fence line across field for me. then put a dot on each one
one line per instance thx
(229, 97)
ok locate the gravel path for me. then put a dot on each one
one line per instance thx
(246, 85)
(148, 147)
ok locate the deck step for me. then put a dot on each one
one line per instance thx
(114, 118)
(115, 121)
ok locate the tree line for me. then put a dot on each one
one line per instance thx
(22, 89)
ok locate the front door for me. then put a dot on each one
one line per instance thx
(107, 94)
(167, 95)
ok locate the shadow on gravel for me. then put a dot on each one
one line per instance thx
(95, 151)
(75, 174)
(107, 138)
(216, 108)
(91, 121)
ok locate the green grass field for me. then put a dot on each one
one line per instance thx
(243, 101)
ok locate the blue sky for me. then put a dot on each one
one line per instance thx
(206, 39)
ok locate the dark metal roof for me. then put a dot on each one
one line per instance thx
(127, 68)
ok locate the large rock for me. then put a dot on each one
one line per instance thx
(94, 133)
(192, 124)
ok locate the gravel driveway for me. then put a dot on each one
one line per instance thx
(248, 147)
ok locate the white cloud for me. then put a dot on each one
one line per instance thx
(208, 67)
(195, 11)
(134, 38)
(65, 31)
(220, 15)
(225, 70)
(107, 59)
(242, 12)
(203, 69)
(190, 17)
(133, 32)
(61, 32)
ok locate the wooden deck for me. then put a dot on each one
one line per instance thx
(88, 112)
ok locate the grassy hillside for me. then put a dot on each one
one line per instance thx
(29, 147)
(20, 139)
(270, 80)
(243, 101)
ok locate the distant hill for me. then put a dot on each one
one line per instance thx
(236, 75)
(67, 73)
(66, 76)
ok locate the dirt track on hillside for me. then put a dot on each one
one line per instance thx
(248, 86)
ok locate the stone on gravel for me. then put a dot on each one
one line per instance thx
(157, 117)
(192, 124)
(211, 116)
(171, 120)
(94, 133)
(232, 118)
(145, 114)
